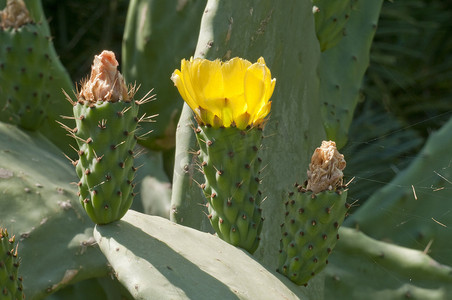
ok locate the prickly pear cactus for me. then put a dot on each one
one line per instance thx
(10, 282)
(229, 160)
(157, 34)
(313, 215)
(106, 122)
(231, 101)
(330, 19)
(24, 67)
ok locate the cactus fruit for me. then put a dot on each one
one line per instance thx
(106, 121)
(24, 67)
(314, 213)
(230, 101)
(330, 19)
(10, 282)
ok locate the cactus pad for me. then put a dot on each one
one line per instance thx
(10, 282)
(314, 212)
(106, 123)
(24, 68)
(231, 167)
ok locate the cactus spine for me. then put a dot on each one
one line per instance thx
(10, 282)
(314, 212)
(106, 122)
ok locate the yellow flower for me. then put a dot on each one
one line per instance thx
(231, 93)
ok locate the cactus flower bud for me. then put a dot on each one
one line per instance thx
(106, 82)
(325, 169)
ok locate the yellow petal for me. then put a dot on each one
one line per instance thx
(186, 70)
(242, 121)
(179, 83)
(254, 88)
(260, 116)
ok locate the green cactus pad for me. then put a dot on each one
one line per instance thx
(330, 19)
(10, 282)
(24, 71)
(106, 140)
(310, 231)
(230, 164)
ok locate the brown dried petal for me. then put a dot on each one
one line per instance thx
(14, 15)
(325, 169)
(106, 82)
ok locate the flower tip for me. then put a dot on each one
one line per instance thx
(106, 82)
(261, 60)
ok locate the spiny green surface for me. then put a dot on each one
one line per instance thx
(250, 29)
(363, 268)
(105, 134)
(342, 68)
(57, 81)
(158, 33)
(310, 232)
(231, 167)
(330, 19)
(41, 207)
(10, 282)
(24, 72)
(177, 262)
(413, 208)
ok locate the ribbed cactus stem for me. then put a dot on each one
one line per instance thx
(106, 123)
(314, 212)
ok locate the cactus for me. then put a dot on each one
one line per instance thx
(314, 213)
(185, 263)
(31, 74)
(341, 88)
(231, 102)
(40, 205)
(24, 67)
(104, 108)
(330, 20)
(157, 34)
(397, 272)
(10, 282)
